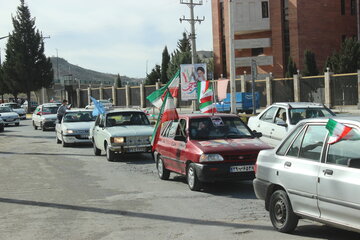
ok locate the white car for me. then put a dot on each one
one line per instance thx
(45, 116)
(308, 177)
(2, 124)
(121, 131)
(279, 118)
(9, 116)
(107, 104)
(74, 127)
(16, 108)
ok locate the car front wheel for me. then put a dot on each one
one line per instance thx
(163, 173)
(58, 141)
(192, 179)
(110, 155)
(35, 127)
(64, 144)
(281, 213)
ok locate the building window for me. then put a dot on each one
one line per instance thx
(353, 9)
(257, 51)
(265, 9)
(342, 7)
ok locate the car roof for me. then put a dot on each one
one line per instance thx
(299, 104)
(49, 105)
(201, 115)
(124, 110)
(342, 119)
(79, 110)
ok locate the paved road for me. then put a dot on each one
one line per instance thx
(51, 192)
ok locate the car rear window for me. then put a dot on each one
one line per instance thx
(298, 114)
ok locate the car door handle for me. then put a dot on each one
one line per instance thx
(328, 172)
(287, 164)
(272, 129)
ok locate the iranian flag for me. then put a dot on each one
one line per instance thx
(157, 97)
(206, 97)
(167, 112)
(337, 131)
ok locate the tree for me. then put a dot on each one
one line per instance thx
(291, 68)
(3, 87)
(154, 75)
(26, 67)
(347, 60)
(182, 55)
(310, 68)
(118, 81)
(164, 65)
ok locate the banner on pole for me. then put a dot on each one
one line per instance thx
(191, 74)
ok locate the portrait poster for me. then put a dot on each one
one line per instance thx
(191, 74)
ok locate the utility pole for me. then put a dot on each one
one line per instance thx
(191, 4)
(232, 59)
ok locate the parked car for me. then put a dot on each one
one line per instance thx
(207, 148)
(121, 131)
(45, 116)
(32, 104)
(107, 104)
(9, 116)
(16, 108)
(243, 102)
(279, 118)
(74, 127)
(305, 177)
(2, 124)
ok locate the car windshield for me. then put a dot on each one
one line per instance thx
(49, 110)
(126, 118)
(84, 116)
(298, 114)
(5, 109)
(218, 128)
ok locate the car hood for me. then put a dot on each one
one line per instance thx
(19, 110)
(135, 130)
(8, 114)
(77, 125)
(231, 145)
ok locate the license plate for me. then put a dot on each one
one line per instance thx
(9, 120)
(136, 150)
(245, 168)
(84, 136)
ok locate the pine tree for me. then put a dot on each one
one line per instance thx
(165, 65)
(154, 75)
(310, 68)
(26, 67)
(182, 55)
(347, 60)
(291, 68)
(118, 81)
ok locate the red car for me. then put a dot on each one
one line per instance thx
(207, 148)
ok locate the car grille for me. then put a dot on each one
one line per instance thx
(241, 157)
(137, 140)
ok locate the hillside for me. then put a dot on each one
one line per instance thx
(86, 75)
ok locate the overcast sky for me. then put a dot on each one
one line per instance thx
(110, 36)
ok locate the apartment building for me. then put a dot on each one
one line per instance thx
(270, 31)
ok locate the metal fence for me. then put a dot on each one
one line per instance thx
(283, 90)
(312, 89)
(135, 96)
(344, 89)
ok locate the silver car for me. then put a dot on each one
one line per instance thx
(121, 131)
(306, 177)
(74, 127)
(16, 108)
(9, 116)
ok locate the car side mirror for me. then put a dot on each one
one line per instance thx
(153, 122)
(257, 134)
(354, 162)
(281, 123)
(101, 125)
(180, 138)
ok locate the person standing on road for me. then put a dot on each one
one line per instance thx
(61, 110)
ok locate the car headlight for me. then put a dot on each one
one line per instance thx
(117, 140)
(69, 131)
(211, 158)
(150, 138)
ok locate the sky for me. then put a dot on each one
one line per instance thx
(111, 36)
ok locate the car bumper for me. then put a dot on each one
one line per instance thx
(76, 139)
(7, 122)
(261, 188)
(131, 149)
(221, 172)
